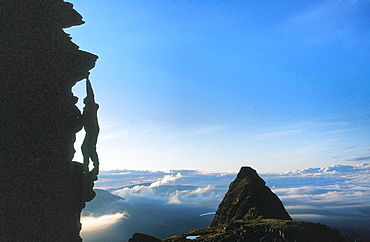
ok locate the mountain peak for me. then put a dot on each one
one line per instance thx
(249, 198)
(249, 173)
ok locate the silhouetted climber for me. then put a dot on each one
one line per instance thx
(42, 191)
(91, 126)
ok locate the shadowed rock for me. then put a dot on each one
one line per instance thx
(137, 237)
(249, 198)
(41, 191)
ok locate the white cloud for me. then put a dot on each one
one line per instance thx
(206, 130)
(325, 22)
(206, 214)
(174, 198)
(311, 149)
(91, 224)
(279, 133)
(147, 191)
(202, 196)
(166, 179)
(338, 189)
(201, 190)
(172, 187)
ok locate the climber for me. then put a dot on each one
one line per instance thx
(91, 127)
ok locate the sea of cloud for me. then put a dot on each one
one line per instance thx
(168, 187)
(338, 195)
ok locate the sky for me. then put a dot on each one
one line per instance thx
(214, 85)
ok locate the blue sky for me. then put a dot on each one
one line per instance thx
(213, 85)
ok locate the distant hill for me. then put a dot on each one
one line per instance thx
(103, 203)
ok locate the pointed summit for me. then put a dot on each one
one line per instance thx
(249, 198)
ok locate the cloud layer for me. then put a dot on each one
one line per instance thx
(330, 188)
(178, 187)
(337, 195)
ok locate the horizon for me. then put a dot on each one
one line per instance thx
(291, 171)
(215, 85)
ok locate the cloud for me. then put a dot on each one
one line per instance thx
(206, 130)
(206, 214)
(91, 224)
(311, 193)
(341, 130)
(311, 149)
(325, 22)
(166, 179)
(191, 196)
(280, 133)
(363, 158)
(172, 187)
(148, 192)
(201, 190)
(174, 198)
(325, 194)
(335, 169)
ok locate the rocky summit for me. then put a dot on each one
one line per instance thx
(263, 230)
(248, 197)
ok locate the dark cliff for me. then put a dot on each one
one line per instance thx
(42, 191)
(249, 198)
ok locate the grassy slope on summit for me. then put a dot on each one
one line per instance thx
(263, 230)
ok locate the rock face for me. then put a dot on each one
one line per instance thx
(249, 198)
(42, 191)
